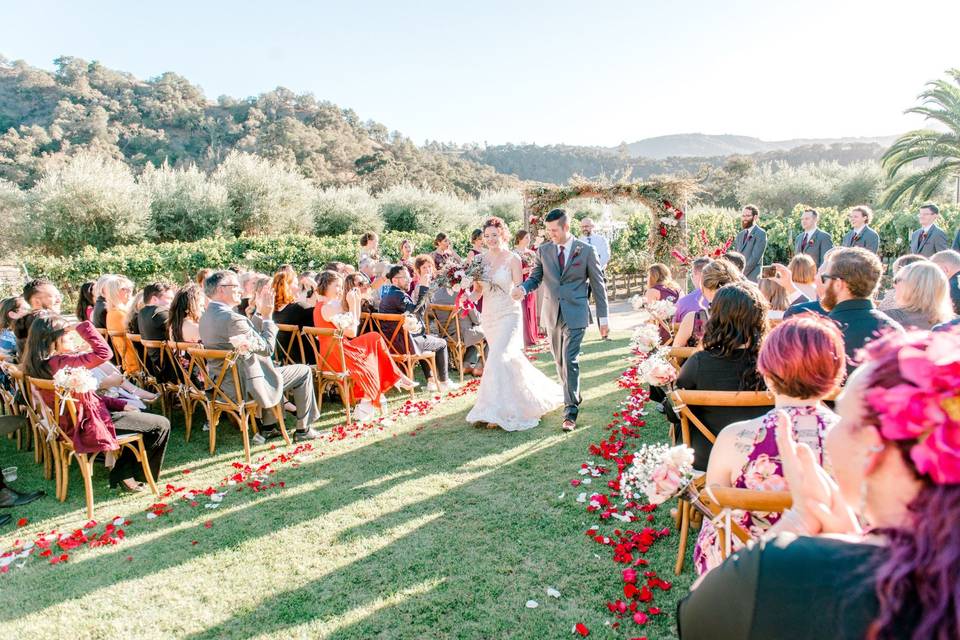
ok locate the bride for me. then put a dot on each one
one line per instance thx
(513, 393)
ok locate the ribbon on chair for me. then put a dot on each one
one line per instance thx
(722, 523)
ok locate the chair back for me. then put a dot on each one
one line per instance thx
(683, 399)
(720, 501)
(391, 327)
(447, 326)
(292, 351)
(228, 378)
(330, 359)
(186, 368)
(678, 355)
(50, 416)
(365, 324)
(139, 348)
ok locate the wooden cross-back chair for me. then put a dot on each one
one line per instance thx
(366, 325)
(190, 389)
(381, 323)
(721, 501)
(115, 359)
(678, 355)
(292, 352)
(167, 390)
(330, 366)
(219, 402)
(124, 343)
(41, 450)
(10, 403)
(63, 451)
(449, 330)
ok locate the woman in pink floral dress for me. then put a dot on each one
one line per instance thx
(802, 361)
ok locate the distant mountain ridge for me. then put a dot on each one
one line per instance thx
(701, 145)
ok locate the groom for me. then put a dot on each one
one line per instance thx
(567, 265)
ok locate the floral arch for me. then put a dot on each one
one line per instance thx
(666, 199)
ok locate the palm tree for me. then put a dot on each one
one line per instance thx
(939, 102)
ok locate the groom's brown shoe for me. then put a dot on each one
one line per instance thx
(569, 425)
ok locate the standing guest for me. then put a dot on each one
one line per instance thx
(10, 309)
(154, 317)
(895, 469)
(202, 276)
(861, 235)
(528, 257)
(929, 238)
(99, 316)
(923, 296)
(183, 323)
(693, 301)
(369, 247)
(803, 272)
(751, 242)
(118, 292)
(715, 275)
(396, 300)
(260, 379)
(85, 301)
(728, 362)
(949, 261)
(595, 240)
(40, 293)
(812, 241)
(888, 300)
(776, 297)
(850, 283)
(442, 250)
(100, 418)
(476, 244)
(366, 357)
(801, 362)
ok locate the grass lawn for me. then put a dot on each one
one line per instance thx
(429, 528)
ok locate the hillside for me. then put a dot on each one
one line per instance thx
(46, 116)
(703, 145)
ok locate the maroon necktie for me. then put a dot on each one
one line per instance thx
(806, 241)
(561, 259)
(923, 237)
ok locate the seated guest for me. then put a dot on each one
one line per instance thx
(660, 284)
(801, 362)
(728, 362)
(736, 259)
(85, 301)
(359, 282)
(99, 314)
(286, 310)
(443, 250)
(923, 296)
(248, 280)
(949, 261)
(776, 297)
(101, 417)
(785, 278)
(366, 356)
(693, 301)
(396, 300)
(118, 292)
(260, 379)
(10, 309)
(260, 282)
(40, 293)
(889, 299)
(379, 282)
(852, 279)
(894, 468)
(715, 275)
(202, 276)
(133, 313)
(183, 324)
(803, 271)
(154, 317)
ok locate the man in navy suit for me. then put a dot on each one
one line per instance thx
(812, 241)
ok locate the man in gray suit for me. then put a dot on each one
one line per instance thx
(567, 267)
(812, 241)
(260, 378)
(929, 238)
(751, 242)
(862, 235)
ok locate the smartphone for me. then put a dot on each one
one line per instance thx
(769, 271)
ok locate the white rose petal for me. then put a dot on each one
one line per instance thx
(553, 593)
(532, 604)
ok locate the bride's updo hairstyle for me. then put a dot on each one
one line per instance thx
(498, 223)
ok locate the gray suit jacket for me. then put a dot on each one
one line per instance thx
(259, 377)
(869, 240)
(752, 250)
(565, 296)
(819, 244)
(469, 332)
(956, 241)
(935, 241)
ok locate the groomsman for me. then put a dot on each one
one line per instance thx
(812, 241)
(929, 238)
(751, 242)
(861, 235)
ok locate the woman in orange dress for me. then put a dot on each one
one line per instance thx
(367, 356)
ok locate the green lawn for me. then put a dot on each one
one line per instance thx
(428, 528)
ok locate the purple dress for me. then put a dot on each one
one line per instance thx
(666, 293)
(763, 471)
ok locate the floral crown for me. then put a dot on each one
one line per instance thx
(924, 405)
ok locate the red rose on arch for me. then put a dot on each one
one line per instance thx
(663, 231)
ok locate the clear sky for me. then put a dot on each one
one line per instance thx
(553, 71)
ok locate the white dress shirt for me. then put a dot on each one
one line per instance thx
(601, 246)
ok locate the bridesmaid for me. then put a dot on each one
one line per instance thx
(531, 323)
(367, 356)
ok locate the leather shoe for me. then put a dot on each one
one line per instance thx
(5, 519)
(569, 425)
(309, 434)
(11, 498)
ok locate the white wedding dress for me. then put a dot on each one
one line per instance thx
(513, 393)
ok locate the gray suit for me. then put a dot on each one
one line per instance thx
(469, 325)
(566, 309)
(752, 243)
(260, 379)
(819, 243)
(935, 241)
(868, 239)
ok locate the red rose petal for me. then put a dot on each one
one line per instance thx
(208, 524)
(581, 629)
(22, 522)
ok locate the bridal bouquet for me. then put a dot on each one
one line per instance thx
(658, 473)
(646, 338)
(342, 322)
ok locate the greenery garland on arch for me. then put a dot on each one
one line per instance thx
(664, 198)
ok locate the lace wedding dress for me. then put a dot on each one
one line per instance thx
(513, 393)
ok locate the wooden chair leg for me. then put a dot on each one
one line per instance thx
(684, 532)
(347, 400)
(246, 420)
(214, 419)
(86, 470)
(188, 408)
(145, 463)
(278, 412)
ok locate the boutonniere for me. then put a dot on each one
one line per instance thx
(576, 252)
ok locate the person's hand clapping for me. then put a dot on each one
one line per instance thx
(353, 298)
(265, 302)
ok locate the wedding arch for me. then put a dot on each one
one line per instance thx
(666, 199)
